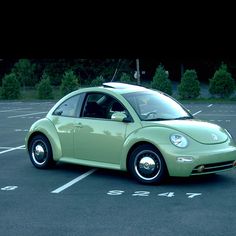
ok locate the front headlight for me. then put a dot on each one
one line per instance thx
(179, 140)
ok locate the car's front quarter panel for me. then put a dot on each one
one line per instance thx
(157, 136)
(44, 126)
(199, 153)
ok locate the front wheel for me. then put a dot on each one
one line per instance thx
(147, 165)
(40, 152)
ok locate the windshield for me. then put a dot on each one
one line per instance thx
(153, 105)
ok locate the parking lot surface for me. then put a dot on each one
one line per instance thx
(78, 200)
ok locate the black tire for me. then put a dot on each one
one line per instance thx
(147, 165)
(40, 152)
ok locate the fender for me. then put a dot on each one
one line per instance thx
(156, 136)
(46, 127)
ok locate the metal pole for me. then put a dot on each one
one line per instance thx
(138, 71)
(113, 77)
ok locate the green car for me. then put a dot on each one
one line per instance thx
(129, 128)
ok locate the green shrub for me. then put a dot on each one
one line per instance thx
(222, 83)
(98, 81)
(44, 88)
(25, 72)
(189, 86)
(55, 68)
(70, 82)
(161, 81)
(10, 87)
(126, 78)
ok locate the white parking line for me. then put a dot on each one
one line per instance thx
(197, 113)
(65, 186)
(28, 114)
(12, 149)
(21, 130)
(5, 148)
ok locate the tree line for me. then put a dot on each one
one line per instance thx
(69, 75)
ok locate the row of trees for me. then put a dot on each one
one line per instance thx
(221, 84)
(23, 74)
(29, 72)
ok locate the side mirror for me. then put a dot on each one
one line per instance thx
(121, 117)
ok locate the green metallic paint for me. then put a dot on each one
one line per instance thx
(106, 143)
(200, 131)
(46, 127)
(159, 137)
(90, 163)
(100, 140)
(65, 128)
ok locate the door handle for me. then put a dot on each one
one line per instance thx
(79, 125)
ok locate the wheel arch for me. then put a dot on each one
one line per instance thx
(140, 143)
(156, 136)
(46, 129)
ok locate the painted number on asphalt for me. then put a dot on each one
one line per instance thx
(141, 193)
(115, 192)
(9, 188)
(170, 194)
(146, 194)
(192, 195)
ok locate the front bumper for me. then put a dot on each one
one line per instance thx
(209, 159)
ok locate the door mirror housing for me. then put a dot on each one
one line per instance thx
(121, 117)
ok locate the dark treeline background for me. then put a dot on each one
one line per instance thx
(89, 69)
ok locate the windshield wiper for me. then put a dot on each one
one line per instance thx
(178, 118)
(157, 119)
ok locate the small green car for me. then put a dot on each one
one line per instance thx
(130, 128)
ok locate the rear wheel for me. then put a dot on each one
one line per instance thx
(147, 165)
(40, 152)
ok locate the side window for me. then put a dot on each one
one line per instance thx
(68, 108)
(98, 105)
(94, 106)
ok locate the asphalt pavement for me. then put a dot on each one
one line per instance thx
(106, 202)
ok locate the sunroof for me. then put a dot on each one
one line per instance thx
(117, 85)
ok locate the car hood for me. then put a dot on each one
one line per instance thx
(201, 131)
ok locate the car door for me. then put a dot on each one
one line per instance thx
(97, 137)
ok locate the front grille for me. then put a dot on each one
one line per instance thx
(213, 167)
